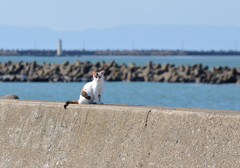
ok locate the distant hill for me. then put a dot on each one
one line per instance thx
(124, 37)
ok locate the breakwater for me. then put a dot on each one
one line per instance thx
(82, 71)
(43, 134)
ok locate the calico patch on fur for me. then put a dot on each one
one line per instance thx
(84, 94)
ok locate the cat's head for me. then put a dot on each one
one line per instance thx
(98, 76)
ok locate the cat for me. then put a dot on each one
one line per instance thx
(91, 91)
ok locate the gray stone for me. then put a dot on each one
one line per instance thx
(158, 78)
(10, 96)
(165, 67)
(66, 63)
(238, 81)
(149, 65)
(131, 65)
(174, 78)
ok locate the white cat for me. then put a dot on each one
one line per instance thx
(91, 91)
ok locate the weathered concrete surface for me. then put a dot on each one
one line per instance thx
(43, 134)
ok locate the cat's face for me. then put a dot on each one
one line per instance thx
(98, 76)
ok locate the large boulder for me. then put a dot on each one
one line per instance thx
(10, 96)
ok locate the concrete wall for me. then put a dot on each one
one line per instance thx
(43, 134)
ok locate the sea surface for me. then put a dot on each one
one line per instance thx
(224, 96)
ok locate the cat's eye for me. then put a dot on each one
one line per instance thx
(99, 77)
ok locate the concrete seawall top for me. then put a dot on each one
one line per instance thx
(43, 134)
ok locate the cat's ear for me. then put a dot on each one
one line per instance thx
(102, 72)
(94, 73)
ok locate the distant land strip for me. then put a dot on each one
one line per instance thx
(36, 52)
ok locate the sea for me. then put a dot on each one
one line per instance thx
(192, 95)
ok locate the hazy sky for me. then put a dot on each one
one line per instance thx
(77, 15)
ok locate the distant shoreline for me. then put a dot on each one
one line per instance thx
(118, 53)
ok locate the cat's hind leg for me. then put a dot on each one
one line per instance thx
(83, 100)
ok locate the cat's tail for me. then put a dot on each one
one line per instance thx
(69, 102)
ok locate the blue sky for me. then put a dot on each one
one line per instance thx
(78, 15)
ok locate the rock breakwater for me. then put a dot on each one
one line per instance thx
(82, 71)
